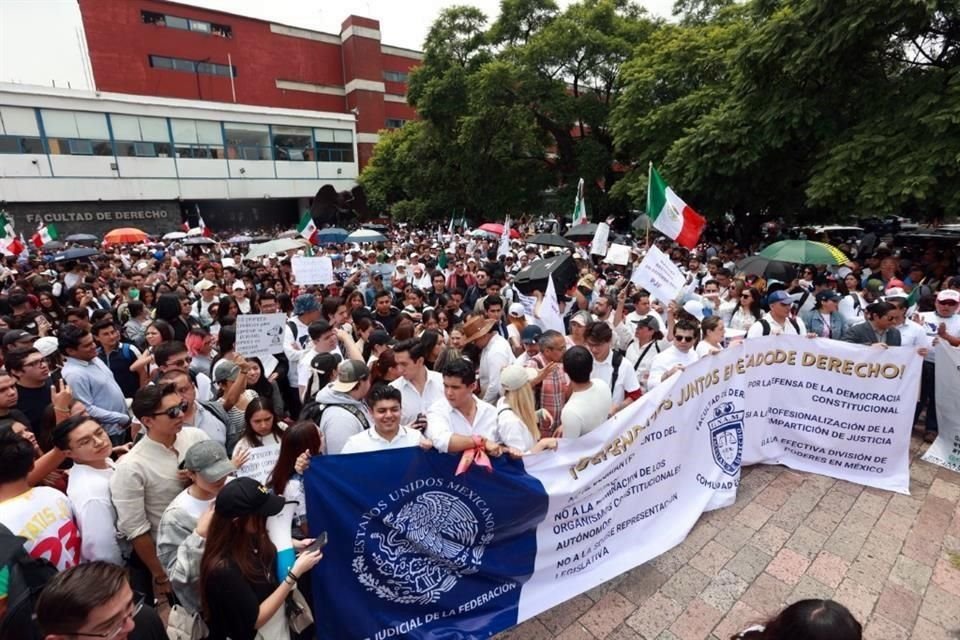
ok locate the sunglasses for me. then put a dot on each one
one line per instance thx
(683, 338)
(173, 412)
(746, 295)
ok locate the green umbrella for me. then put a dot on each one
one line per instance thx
(804, 252)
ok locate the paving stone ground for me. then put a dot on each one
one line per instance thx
(893, 560)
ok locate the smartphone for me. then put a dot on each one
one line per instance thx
(318, 544)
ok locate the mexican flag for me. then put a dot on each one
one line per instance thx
(10, 244)
(579, 206)
(670, 215)
(307, 227)
(204, 231)
(45, 233)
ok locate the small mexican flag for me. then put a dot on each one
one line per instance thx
(579, 206)
(45, 233)
(307, 227)
(671, 215)
(10, 244)
(204, 230)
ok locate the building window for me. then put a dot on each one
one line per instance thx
(197, 139)
(19, 132)
(191, 66)
(293, 143)
(395, 123)
(186, 24)
(247, 141)
(76, 133)
(141, 137)
(334, 145)
(395, 76)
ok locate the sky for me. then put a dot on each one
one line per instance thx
(40, 39)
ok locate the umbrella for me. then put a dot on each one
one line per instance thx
(581, 232)
(761, 266)
(551, 240)
(125, 235)
(292, 233)
(497, 229)
(195, 231)
(377, 227)
(804, 252)
(274, 246)
(261, 239)
(82, 237)
(332, 235)
(200, 240)
(175, 235)
(74, 254)
(53, 245)
(366, 235)
(241, 239)
(480, 233)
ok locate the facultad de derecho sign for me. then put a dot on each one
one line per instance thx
(98, 216)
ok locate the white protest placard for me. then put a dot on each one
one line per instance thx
(600, 239)
(945, 450)
(550, 309)
(529, 303)
(312, 270)
(260, 463)
(618, 254)
(260, 335)
(658, 275)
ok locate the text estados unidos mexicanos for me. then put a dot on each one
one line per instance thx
(851, 460)
(408, 626)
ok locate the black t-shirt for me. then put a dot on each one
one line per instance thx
(389, 322)
(149, 626)
(234, 603)
(33, 402)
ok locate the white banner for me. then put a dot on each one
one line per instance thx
(658, 275)
(260, 463)
(945, 450)
(260, 335)
(618, 254)
(598, 246)
(550, 309)
(312, 270)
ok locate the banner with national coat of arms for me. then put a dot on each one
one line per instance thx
(417, 551)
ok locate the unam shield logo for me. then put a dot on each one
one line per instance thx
(416, 547)
(726, 437)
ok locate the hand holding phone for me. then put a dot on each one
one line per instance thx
(318, 544)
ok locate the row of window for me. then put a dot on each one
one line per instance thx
(395, 76)
(86, 133)
(192, 66)
(395, 123)
(186, 24)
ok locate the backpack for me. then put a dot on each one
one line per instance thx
(617, 360)
(26, 579)
(766, 326)
(313, 411)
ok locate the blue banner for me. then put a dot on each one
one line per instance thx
(416, 550)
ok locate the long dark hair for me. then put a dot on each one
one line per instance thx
(303, 436)
(229, 542)
(809, 620)
(259, 404)
(754, 309)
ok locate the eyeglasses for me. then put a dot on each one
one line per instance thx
(173, 412)
(179, 362)
(34, 363)
(683, 338)
(97, 436)
(137, 603)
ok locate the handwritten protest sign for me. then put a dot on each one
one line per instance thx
(658, 275)
(261, 462)
(312, 270)
(260, 335)
(618, 254)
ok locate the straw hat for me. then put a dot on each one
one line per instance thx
(477, 328)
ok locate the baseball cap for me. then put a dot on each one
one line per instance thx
(204, 284)
(238, 285)
(516, 310)
(649, 322)
(46, 346)
(779, 296)
(378, 337)
(349, 374)
(530, 334)
(246, 496)
(305, 303)
(225, 371)
(582, 318)
(16, 335)
(513, 377)
(209, 459)
(827, 294)
(943, 296)
(875, 287)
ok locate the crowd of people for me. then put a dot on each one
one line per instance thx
(126, 411)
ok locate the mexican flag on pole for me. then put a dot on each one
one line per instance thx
(579, 206)
(10, 244)
(45, 233)
(670, 215)
(307, 227)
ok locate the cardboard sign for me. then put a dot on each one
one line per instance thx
(260, 335)
(261, 462)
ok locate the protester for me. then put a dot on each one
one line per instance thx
(778, 320)
(807, 620)
(419, 387)
(679, 356)
(611, 366)
(590, 400)
(387, 431)
(518, 421)
(824, 319)
(344, 413)
(879, 327)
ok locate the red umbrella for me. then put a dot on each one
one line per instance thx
(126, 235)
(497, 229)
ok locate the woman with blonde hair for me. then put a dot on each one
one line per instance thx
(518, 421)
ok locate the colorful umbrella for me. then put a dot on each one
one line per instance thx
(125, 235)
(497, 229)
(804, 252)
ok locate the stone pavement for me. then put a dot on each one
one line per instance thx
(893, 560)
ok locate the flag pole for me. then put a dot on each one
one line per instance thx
(649, 177)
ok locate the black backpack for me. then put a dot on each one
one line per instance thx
(766, 326)
(27, 578)
(617, 360)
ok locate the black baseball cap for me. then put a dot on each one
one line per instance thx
(246, 496)
(16, 335)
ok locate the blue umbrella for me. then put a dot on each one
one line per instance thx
(74, 254)
(331, 235)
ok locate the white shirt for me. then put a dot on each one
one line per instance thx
(704, 348)
(776, 329)
(627, 381)
(294, 347)
(89, 493)
(43, 516)
(913, 335)
(932, 322)
(370, 440)
(511, 430)
(586, 410)
(494, 357)
(642, 358)
(852, 307)
(414, 403)
(667, 360)
(444, 421)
